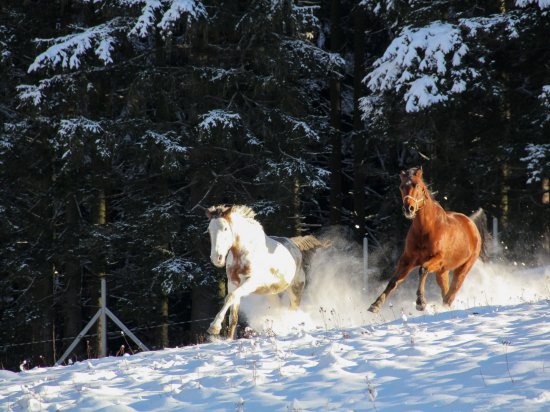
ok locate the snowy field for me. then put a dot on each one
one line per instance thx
(490, 352)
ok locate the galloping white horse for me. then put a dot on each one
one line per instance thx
(254, 262)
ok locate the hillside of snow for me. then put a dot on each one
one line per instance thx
(487, 358)
(491, 352)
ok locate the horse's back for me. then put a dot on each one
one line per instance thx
(290, 246)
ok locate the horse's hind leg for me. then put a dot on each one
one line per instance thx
(442, 278)
(296, 289)
(420, 300)
(458, 278)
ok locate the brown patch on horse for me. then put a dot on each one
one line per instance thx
(305, 243)
(237, 267)
(274, 287)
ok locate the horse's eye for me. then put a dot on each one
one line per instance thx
(225, 229)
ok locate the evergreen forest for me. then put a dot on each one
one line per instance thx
(121, 121)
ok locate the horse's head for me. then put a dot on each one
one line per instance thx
(413, 191)
(221, 233)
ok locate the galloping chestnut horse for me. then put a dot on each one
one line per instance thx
(438, 241)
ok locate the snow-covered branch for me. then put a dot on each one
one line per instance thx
(538, 160)
(427, 65)
(308, 58)
(418, 61)
(219, 119)
(169, 12)
(168, 146)
(67, 51)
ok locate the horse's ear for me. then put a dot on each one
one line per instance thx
(418, 172)
(215, 212)
(225, 211)
(210, 212)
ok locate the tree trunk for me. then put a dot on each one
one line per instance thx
(101, 219)
(72, 302)
(359, 137)
(335, 121)
(43, 323)
(164, 308)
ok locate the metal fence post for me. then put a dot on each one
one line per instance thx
(103, 318)
(366, 262)
(495, 238)
(101, 315)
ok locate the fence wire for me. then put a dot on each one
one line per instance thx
(110, 335)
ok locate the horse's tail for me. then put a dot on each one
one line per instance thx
(480, 220)
(305, 243)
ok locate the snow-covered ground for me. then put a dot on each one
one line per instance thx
(491, 352)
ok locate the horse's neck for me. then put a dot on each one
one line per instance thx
(248, 234)
(429, 214)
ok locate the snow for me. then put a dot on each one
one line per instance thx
(67, 51)
(417, 60)
(219, 118)
(146, 20)
(544, 97)
(192, 8)
(537, 159)
(428, 65)
(176, 272)
(492, 357)
(543, 4)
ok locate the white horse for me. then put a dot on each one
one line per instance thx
(254, 262)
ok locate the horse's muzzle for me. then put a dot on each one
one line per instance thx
(409, 211)
(218, 260)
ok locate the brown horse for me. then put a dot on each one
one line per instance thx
(438, 241)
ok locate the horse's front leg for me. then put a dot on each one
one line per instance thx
(233, 298)
(233, 319)
(404, 266)
(420, 300)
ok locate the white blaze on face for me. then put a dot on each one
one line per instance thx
(221, 240)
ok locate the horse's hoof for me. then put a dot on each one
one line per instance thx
(420, 305)
(374, 308)
(214, 330)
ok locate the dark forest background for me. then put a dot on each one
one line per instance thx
(122, 120)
